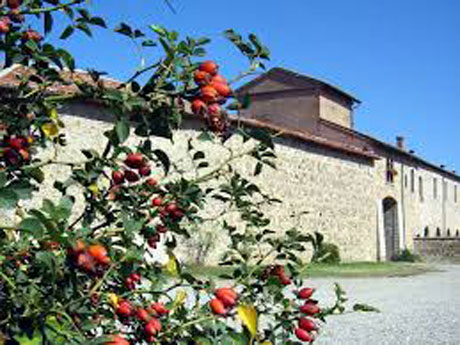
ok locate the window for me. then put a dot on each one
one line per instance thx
(426, 232)
(390, 174)
(405, 180)
(438, 232)
(435, 188)
(448, 232)
(412, 180)
(457, 233)
(420, 188)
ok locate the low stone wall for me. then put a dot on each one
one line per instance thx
(442, 247)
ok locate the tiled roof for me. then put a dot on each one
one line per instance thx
(291, 74)
(308, 137)
(9, 78)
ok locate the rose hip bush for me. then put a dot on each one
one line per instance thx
(70, 276)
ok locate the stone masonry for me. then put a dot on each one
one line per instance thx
(356, 190)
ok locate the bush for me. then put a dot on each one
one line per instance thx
(406, 255)
(92, 275)
(328, 253)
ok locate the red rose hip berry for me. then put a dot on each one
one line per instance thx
(134, 160)
(153, 327)
(159, 308)
(201, 77)
(131, 176)
(124, 309)
(310, 308)
(305, 293)
(210, 67)
(142, 315)
(307, 324)
(118, 177)
(198, 106)
(144, 171)
(303, 335)
(217, 307)
(156, 202)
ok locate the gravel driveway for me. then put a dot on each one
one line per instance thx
(417, 310)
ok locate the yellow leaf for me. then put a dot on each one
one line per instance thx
(93, 188)
(180, 298)
(50, 129)
(267, 343)
(248, 315)
(53, 114)
(113, 299)
(171, 265)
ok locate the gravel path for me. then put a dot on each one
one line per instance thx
(418, 310)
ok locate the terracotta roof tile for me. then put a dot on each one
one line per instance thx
(10, 78)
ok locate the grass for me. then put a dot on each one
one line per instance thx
(344, 270)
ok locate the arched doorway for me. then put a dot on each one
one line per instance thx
(390, 226)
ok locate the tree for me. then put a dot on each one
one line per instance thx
(88, 278)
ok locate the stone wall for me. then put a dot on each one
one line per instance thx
(441, 247)
(323, 190)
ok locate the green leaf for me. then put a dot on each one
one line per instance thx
(132, 225)
(263, 136)
(198, 155)
(3, 179)
(122, 129)
(32, 45)
(124, 29)
(365, 308)
(246, 102)
(47, 259)
(158, 30)
(164, 159)
(8, 198)
(64, 210)
(69, 30)
(25, 340)
(203, 40)
(85, 28)
(48, 22)
(258, 168)
(33, 226)
(36, 173)
(202, 341)
(84, 13)
(148, 43)
(98, 21)
(203, 165)
(67, 58)
(205, 136)
(23, 189)
(235, 339)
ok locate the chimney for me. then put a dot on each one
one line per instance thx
(400, 142)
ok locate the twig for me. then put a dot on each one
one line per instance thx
(52, 9)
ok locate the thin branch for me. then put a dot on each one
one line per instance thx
(54, 8)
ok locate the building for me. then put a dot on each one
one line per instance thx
(370, 198)
(358, 182)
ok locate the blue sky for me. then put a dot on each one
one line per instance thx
(400, 58)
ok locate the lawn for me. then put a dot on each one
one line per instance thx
(344, 270)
